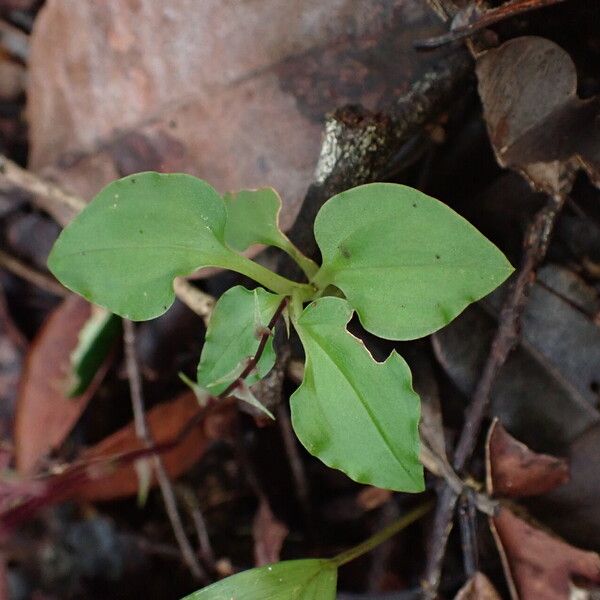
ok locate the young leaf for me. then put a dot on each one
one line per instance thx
(95, 340)
(308, 579)
(407, 263)
(140, 232)
(233, 336)
(253, 218)
(353, 413)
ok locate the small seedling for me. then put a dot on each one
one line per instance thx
(406, 263)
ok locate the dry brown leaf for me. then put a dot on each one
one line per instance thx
(165, 421)
(234, 92)
(269, 534)
(537, 565)
(44, 413)
(537, 124)
(478, 587)
(513, 470)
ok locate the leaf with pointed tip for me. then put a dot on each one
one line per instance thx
(308, 579)
(233, 335)
(351, 412)
(253, 218)
(126, 247)
(407, 263)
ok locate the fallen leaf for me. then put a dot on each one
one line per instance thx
(549, 375)
(478, 587)
(513, 470)
(526, 392)
(165, 421)
(538, 565)
(234, 92)
(45, 414)
(572, 510)
(537, 124)
(559, 325)
(269, 534)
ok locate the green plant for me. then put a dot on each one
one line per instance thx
(406, 263)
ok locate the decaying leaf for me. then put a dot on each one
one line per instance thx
(536, 122)
(513, 470)
(546, 377)
(559, 324)
(165, 421)
(45, 414)
(478, 587)
(538, 565)
(573, 510)
(234, 92)
(269, 534)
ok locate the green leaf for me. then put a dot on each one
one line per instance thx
(140, 232)
(353, 413)
(95, 340)
(126, 247)
(234, 330)
(407, 263)
(253, 218)
(309, 579)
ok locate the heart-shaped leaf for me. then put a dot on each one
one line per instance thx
(253, 218)
(236, 325)
(126, 247)
(309, 579)
(407, 263)
(353, 413)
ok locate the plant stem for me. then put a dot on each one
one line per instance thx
(382, 536)
(309, 267)
(269, 279)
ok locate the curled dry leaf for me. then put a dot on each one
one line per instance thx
(45, 414)
(513, 470)
(269, 534)
(537, 123)
(165, 421)
(478, 587)
(234, 92)
(538, 565)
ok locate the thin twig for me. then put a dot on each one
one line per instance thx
(474, 21)
(143, 433)
(468, 533)
(44, 282)
(536, 241)
(189, 500)
(61, 205)
(198, 301)
(290, 443)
